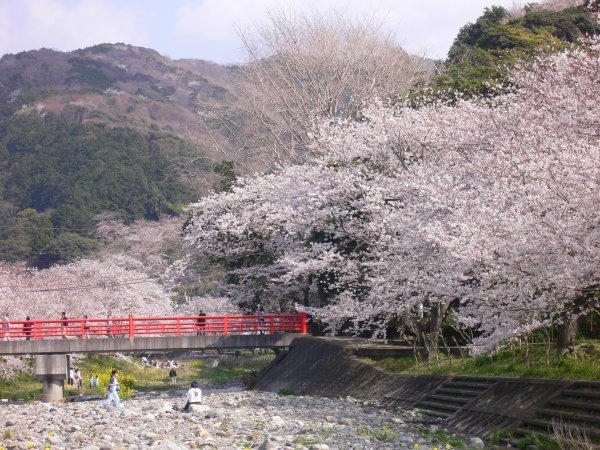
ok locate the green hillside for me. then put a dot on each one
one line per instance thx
(484, 51)
(57, 176)
(102, 129)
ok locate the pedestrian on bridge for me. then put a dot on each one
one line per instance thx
(27, 328)
(109, 325)
(200, 323)
(86, 327)
(64, 324)
(113, 391)
(5, 325)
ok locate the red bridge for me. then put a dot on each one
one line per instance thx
(52, 340)
(132, 327)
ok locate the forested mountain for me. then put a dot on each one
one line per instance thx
(105, 128)
(118, 84)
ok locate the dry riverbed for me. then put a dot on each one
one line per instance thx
(226, 420)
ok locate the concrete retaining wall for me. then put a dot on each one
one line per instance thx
(324, 367)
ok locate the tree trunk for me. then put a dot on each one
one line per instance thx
(567, 332)
(305, 288)
(437, 313)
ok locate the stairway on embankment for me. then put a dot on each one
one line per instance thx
(452, 395)
(469, 405)
(576, 408)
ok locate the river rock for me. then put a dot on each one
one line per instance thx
(476, 442)
(225, 420)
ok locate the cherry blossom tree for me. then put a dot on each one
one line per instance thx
(86, 287)
(488, 203)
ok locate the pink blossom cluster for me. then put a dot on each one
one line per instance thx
(87, 287)
(11, 366)
(491, 202)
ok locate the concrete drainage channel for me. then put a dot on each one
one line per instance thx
(468, 405)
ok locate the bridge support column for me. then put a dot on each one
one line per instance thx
(52, 370)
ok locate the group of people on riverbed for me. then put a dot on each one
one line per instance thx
(75, 378)
(193, 395)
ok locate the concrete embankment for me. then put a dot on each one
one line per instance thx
(325, 367)
(472, 405)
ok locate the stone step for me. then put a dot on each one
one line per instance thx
(438, 406)
(581, 393)
(523, 431)
(467, 384)
(448, 398)
(489, 380)
(545, 427)
(573, 404)
(442, 414)
(457, 392)
(561, 415)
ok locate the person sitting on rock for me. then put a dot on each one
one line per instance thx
(194, 396)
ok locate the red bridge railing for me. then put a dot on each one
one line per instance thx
(157, 326)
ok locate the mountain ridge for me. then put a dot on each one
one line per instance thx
(114, 84)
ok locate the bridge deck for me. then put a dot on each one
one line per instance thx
(149, 333)
(140, 344)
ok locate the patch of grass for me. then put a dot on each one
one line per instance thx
(396, 364)
(443, 438)
(385, 434)
(540, 442)
(24, 386)
(496, 434)
(305, 441)
(132, 376)
(216, 375)
(503, 363)
(286, 391)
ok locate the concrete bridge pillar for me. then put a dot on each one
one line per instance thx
(52, 370)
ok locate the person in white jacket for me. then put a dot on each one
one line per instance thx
(193, 396)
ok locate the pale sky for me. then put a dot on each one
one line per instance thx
(206, 29)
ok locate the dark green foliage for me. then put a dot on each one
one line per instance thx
(62, 174)
(24, 235)
(484, 33)
(75, 217)
(91, 72)
(538, 441)
(483, 52)
(50, 164)
(66, 247)
(589, 327)
(229, 176)
(286, 391)
(568, 25)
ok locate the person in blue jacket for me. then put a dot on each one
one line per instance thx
(113, 391)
